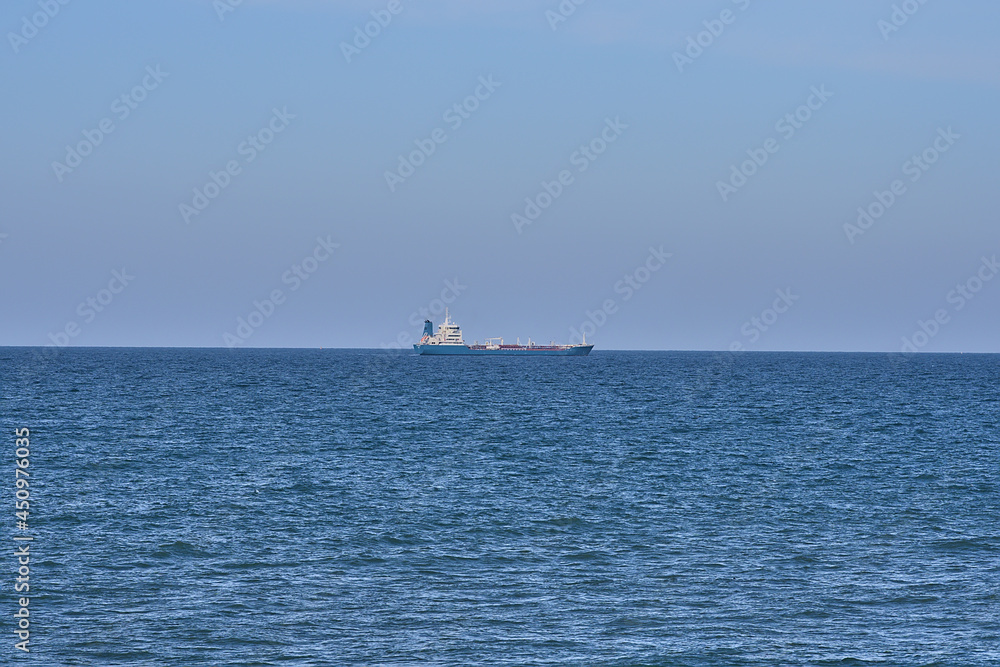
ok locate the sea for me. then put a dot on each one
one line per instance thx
(374, 507)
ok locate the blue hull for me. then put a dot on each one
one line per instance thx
(575, 351)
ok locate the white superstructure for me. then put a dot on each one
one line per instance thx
(448, 333)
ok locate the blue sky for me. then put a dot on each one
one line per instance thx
(653, 134)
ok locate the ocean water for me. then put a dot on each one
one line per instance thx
(341, 507)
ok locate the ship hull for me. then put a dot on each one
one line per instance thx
(510, 351)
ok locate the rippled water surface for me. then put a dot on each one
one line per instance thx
(334, 507)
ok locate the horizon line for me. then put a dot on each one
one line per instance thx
(403, 349)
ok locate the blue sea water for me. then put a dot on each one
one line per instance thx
(357, 507)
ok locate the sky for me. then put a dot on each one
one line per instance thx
(655, 174)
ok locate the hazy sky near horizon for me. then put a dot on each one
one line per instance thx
(772, 175)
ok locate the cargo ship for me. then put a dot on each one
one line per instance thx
(448, 340)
